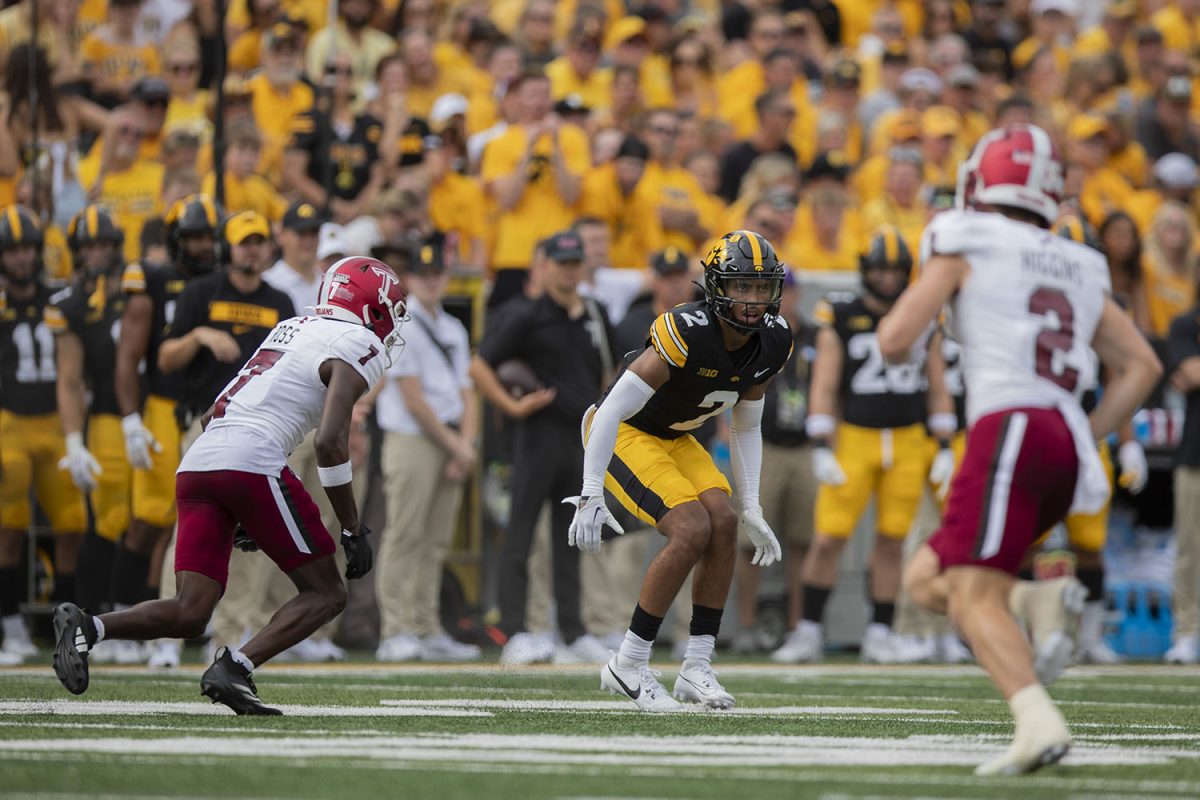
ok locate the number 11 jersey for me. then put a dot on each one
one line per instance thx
(1026, 313)
(277, 397)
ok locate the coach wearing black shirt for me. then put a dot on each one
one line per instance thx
(222, 318)
(564, 339)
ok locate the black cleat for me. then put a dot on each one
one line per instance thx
(228, 682)
(74, 636)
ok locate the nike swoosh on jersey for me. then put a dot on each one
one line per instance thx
(634, 694)
(762, 372)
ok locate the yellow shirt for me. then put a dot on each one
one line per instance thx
(132, 196)
(676, 188)
(1132, 162)
(632, 219)
(741, 86)
(803, 250)
(190, 115)
(252, 193)
(1168, 295)
(541, 211)
(1142, 205)
(910, 221)
(595, 90)
(56, 256)
(115, 61)
(456, 206)
(421, 98)
(1026, 50)
(1103, 192)
(273, 113)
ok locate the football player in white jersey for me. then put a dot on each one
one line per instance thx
(1026, 305)
(308, 373)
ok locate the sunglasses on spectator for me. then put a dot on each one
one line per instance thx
(663, 130)
(689, 62)
(131, 132)
(182, 69)
(336, 70)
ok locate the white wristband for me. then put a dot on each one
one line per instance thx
(820, 426)
(335, 476)
(943, 424)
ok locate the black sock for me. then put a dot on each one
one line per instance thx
(64, 587)
(1092, 579)
(1026, 574)
(129, 571)
(705, 621)
(815, 598)
(10, 591)
(645, 625)
(94, 577)
(884, 613)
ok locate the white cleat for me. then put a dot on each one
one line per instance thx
(10, 659)
(128, 652)
(398, 648)
(587, 649)
(527, 648)
(309, 651)
(1092, 648)
(951, 650)
(1051, 609)
(639, 684)
(913, 649)
(330, 650)
(1185, 651)
(697, 683)
(805, 644)
(877, 645)
(19, 644)
(745, 643)
(104, 652)
(1040, 741)
(440, 647)
(165, 655)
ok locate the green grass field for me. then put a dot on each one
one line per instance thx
(838, 730)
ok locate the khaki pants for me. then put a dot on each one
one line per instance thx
(422, 508)
(912, 620)
(1186, 593)
(611, 579)
(539, 598)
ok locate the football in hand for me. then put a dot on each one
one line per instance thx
(517, 378)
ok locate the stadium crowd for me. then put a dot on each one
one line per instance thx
(544, 151)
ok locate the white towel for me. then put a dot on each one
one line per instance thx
(1091, 486)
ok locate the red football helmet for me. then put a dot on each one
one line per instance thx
(366, 291)
(1016, 166)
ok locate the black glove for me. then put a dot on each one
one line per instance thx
(242, 540)
(359, 557)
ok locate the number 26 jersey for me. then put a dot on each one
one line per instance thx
(1027, 312)
(872, 393)
(705, 378)
(277, 397)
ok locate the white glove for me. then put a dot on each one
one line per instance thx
(591, 515)
(80, 463)
(941, 471)
(826, 467)
(139, 442)
(1134, 470)
(766, 547)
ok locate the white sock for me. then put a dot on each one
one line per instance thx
(700, 648)
(240, 657)
(634, 652)
(99, 626)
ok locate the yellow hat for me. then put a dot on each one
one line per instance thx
(243, 225)
(623, 30)
(904, 126)
(1122, 9)
(1085, 126)
(940, 121)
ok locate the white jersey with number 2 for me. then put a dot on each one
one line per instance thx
(277, 396)
(1025, 316)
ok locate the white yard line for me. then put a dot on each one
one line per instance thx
(113, 707)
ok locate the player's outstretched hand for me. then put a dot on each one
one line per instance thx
(941, 471)
(242, 540)
(826, 467)
(82, 466)
(766, 546)
(591, 515)
(359, 556)
(139, 442)
(1134, 470)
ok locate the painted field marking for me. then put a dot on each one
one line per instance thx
(115, 707)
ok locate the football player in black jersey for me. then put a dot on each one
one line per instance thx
(882, 449)
(700, 360)
(31, 442)
(85, 318)
(152, 435)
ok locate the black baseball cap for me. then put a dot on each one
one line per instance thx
(150, 90)
(302, 216)
(829, 164)
(564, 246)
(669, 261)
(426, 258)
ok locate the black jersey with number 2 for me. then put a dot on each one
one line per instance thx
(705, 378)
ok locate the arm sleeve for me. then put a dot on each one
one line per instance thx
(628, 396)
(745, 449)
